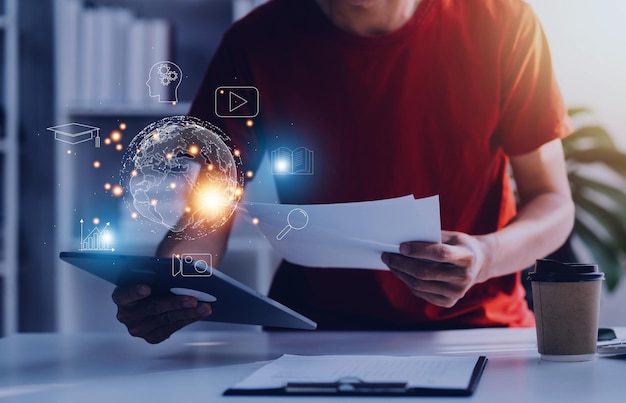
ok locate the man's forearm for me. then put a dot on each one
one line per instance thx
(540, 227)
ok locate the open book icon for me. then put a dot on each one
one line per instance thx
(292, 162)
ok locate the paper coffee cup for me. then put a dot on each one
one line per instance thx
(566, 299)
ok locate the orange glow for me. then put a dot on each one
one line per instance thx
(96, 164)
(249, 123)
(134, 215)
(133, 172)
(211, 200)
(116, 135)
(236, 153)
(153, 202)
(173, 185)
(107, 141)
(193, 149)
(210, 167)
(95, 221)
(107, 186)
(255, 221)
(249, 174)
(122, 126)
(119, 147)
(169, 156)
(117, 191)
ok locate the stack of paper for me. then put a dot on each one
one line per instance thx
(349, 235)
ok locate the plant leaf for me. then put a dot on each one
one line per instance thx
(613, 159)
(578, 110)
(605, 257)
(618, 196)
(593, 136)
(608, 220)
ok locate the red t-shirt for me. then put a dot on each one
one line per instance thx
(432, 108)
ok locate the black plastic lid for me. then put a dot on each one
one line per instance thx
(551, 270)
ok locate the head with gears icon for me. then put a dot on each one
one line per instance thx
(164, 80)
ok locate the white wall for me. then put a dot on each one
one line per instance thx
(588, 43)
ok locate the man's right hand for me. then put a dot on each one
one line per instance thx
(155, 318)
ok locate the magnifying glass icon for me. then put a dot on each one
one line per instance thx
(296, 219)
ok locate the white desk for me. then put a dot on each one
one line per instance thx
(199, 366)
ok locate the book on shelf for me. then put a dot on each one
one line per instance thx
(110, 52)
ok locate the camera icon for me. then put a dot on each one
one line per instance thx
(192, 265)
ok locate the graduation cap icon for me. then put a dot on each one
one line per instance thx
(75, 133)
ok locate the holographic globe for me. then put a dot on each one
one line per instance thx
(179, 172)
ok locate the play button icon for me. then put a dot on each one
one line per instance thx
(236, 101)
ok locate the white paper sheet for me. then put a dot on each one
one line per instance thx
(417, 371)
(348, 235)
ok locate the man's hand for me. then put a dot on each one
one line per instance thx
(440, 273)
(156, 318)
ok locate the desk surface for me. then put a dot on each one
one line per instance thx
(199, 366)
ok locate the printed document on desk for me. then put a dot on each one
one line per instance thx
(365, 375)
(348, 235)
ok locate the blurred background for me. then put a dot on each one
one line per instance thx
(87, 62)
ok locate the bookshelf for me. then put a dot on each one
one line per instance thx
(9, 169)
(195, 26)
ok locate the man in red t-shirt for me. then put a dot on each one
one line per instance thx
(399, 97)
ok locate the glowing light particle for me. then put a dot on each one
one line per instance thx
(281, 165)
(69, 151)
(169, 156)
(119, 147)
(249, 174)
(134, 215)
(187, 209)
(255, 221)
(116, 135)
(107, 141)
(173, 185)
(96, 164)
(107, 186)
(117, 191)
(95, 221)
(193, 149)
(153, 202)
(133, 172)
(122, 126)
(249, 123)
(236, 153)
(210, 167)
(107, 237)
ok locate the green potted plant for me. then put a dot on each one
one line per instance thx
(596, 170)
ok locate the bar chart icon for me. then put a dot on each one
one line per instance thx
(97, 239)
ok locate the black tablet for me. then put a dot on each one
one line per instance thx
(231, 301)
